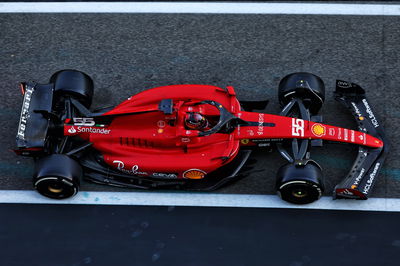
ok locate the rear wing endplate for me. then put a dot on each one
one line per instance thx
(33, 126)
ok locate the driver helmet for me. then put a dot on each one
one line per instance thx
(196, 121)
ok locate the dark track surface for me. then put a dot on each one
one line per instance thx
(128, 235)
(127, 53)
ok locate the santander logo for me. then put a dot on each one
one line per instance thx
(72, 130)
(91, 130)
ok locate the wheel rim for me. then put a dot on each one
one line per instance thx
(300, 192)
(56, 187)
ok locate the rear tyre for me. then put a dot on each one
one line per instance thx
(305, 86)
(300, 184)
(57, 176)
(73, 83)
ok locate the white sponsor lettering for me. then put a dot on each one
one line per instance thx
(120, 164)
(331, 132)
(371, 179)
(260, 124)
(165, 175)
(264, 144)
(356, 109)
(352, 136)
(297, 127)
(134, 170)
(84, 121)
(344, 84)
(90, 130)
(25, 113)
(359, 177)
(161, 123)
(370, 113)
(347, 192)
(340, 133)
(346, 134)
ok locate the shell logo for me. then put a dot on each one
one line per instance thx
(194, 174)
(318, 130)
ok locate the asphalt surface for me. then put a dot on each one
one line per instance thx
(129, 235)
(127, 53)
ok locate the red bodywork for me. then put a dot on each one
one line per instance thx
(143, 140)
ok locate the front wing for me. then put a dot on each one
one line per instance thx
(363, 174)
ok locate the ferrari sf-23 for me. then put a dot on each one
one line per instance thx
(191, 137)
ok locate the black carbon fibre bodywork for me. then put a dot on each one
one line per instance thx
(98, 172)
(33, 125)
(362, 176)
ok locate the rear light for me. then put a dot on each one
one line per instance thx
(22, 86)
(28, 151)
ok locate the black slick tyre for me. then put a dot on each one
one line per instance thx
(57, 176)
(300, 184)
(73, 83)
(305, 86)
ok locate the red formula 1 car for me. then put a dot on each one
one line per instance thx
(195, 137)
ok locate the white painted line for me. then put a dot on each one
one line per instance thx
(199, 200)
(203, 7)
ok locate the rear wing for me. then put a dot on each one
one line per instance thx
(362, 176)
(33, 125)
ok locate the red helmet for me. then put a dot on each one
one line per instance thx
(195, 121)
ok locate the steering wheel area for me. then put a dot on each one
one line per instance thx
(224, 117)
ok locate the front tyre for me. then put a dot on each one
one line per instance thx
(57, 176)
(300, 184)
(305, 86)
